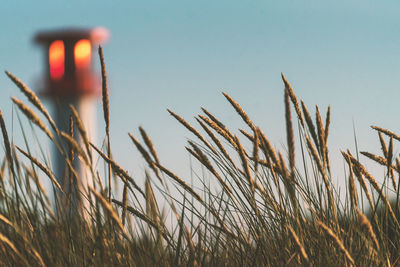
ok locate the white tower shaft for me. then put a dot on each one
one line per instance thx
(75, 198)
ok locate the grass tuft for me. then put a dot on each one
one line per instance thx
(251, 205)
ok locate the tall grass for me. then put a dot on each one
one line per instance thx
(262, 207)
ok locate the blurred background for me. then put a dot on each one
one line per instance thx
(182, 54)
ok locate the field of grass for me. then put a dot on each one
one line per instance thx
(262, 207)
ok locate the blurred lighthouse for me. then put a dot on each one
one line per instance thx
(70, 79)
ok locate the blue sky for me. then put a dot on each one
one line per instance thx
(182, 54)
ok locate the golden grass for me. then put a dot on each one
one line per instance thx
(109, 209)
(75, 146)
(226, 134)
(251, 203)
(293, 98)
(33, 99)
(336, 241)
(216, 141)
(202, 158)
(46, 170)
(145, 155)
(368, 227)
(191, 129)
(82, 131)
(300, 247)
(31, 115)
(289, 132)
(240, 111)
(218, 123)
(6, 142)
(106, 113)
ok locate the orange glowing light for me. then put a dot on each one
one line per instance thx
(56, 59)
(82, 53)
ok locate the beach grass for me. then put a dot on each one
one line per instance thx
(259, 206)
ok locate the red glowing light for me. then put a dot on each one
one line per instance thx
(56, 59)
(82, 53)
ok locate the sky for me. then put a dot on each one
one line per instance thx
(182, 54)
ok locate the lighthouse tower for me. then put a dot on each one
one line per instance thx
(70, 79)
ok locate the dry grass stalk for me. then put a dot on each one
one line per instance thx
(149, 144)
(284, 170)
(366, 224)
(240, 111)
(268, 147)
(71, 133)
(310, 124)
(33, 99)
(5, 220)
(31, 115)
(217, 122)
(142, 217)
(216, 141)
(327, 124)
(245, 165)
(38, 183)
(317, 160)
(108, 208)
(46, 170)
(337, 241)
(73, 144)
(17, 163)
(268, 164)
(359, 176)
(106, 112)
(151, 202)
(247, 135)
(289, 183)
(256, 147)
(385, 162)
(197, 153)
(397, 165)
(106, 104)
(2, 169)
(6, 142)
(189, 239)
(328, 165)
(118, 170)
(375, 158)
(197, 196)
(191, 129)
(220, 131)
(274, 169)
(321, 134)
(390, 171)
(325, 178)
(300, 247)
(289, 128)
(387, 132)
(383, 145)
(352, 186)
(6, 241)
(124, 202)
(145, 155)
(38, 257)
(82, 131)
(390, 152)
(373, 182)
(181, 182)
(392, 177)
(71, 156)
(293, 98)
